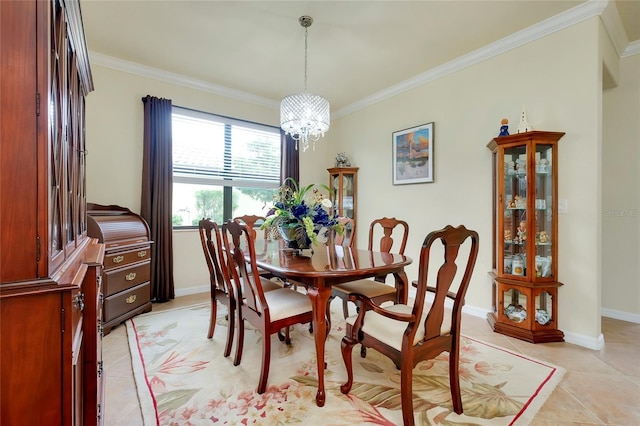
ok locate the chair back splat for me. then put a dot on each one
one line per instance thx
(252, 221)
(386, 241)
(411, 334)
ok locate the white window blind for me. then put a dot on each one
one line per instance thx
(215, 150)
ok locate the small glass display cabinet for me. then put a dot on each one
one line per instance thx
(525, 221)
(344, 184)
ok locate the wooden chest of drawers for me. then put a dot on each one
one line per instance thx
(127, 262)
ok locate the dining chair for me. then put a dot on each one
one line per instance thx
(347, 238)
(375, 289)
(268, 311)
(221, 291)
(254, 222)
(411, 334)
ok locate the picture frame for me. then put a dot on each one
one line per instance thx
(413, 155)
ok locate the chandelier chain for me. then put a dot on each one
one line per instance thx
(306, 34)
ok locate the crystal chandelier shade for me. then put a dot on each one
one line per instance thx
(305, 116)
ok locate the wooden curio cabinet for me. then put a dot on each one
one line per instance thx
(525, 236)
(343, 182)
(50, 301)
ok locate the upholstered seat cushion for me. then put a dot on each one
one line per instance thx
(286, 302)
(267, 285)
(390, 331)
(369, 288)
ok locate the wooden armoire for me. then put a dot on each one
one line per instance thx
(50, 300)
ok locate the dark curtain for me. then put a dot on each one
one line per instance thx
(290, 158)
(157, 191)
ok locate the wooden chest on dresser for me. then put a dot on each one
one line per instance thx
(127, 262)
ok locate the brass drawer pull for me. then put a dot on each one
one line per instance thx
(78, 302)
(142, 253)
(131, 299)
(131, 276)
(118, 259)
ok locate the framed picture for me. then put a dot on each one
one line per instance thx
(413, 155)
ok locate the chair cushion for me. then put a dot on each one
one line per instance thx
(390, 331)
(285, 303)
(369, 288)
(268, 285)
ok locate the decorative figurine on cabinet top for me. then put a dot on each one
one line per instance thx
(342, 160)
(524, 125)
(504, 128)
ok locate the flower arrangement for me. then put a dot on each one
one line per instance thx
(302, 214)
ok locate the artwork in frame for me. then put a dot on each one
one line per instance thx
(413, 155)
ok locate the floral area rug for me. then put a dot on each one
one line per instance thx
(182, 378)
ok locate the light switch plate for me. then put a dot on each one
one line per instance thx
(563, 206)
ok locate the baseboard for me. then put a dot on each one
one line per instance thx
(192, 290)
(574, 338)
(584, 341)
(620, 315)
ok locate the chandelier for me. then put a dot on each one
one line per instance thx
(304, 116)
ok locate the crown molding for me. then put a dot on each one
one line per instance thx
(180, 80)
(563, 20)
(613, 25)
(603, 8)
(631, 49)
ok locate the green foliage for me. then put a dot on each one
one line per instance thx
(209, 203)
(261, 194)
(176, 220)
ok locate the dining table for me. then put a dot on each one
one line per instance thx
(320, 268)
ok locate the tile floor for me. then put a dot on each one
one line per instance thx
(598, 388)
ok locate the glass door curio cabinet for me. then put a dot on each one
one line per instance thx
(343, 182)
(525, 236)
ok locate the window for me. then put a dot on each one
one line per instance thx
(222, 167)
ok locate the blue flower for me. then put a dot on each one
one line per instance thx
(306, 205)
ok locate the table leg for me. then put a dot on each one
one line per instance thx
(319, 298)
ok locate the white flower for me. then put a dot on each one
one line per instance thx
(326, 203)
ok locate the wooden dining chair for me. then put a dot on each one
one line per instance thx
(221, 291)
(375, 289)
(254, 222)
(411, 334)
(268, 311)
(347, 238)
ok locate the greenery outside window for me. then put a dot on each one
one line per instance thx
(222, 167)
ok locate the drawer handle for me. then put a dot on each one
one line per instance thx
(142, 253)
(131, 276)
(78, 302)
(118, 259)
(131, 299)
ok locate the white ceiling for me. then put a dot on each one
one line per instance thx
(356, 48)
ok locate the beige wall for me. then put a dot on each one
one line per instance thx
(557, 79)
(114, 142)
(621, 194)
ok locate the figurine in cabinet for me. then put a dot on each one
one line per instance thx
(522, 231)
